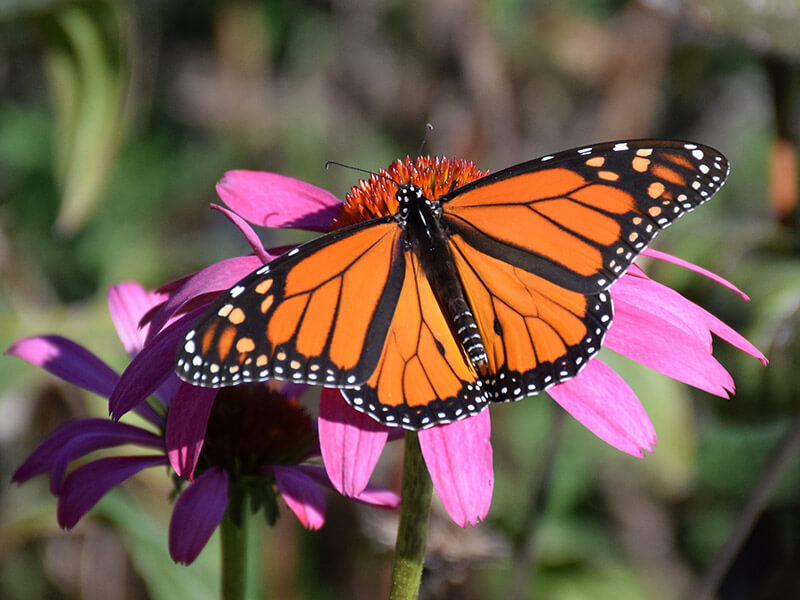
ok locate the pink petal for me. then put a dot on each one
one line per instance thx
(351, 443)
(209, 282)
(128, 302)
(252, 239)
(603, 403)
(372, 495)
(197, 513)
(77, 439)
(150, 368)
(67, 360)
(271, 200)
(186, 427)
(302, 495)
(664, 335)
(84, 487)
(459, 460)
(693, 267)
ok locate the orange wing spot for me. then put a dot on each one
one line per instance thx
(521, 189)
(549, 345)
(261, 360)
(285, 319)
(668, 175)
(236, 316)
(362, 286)
(518, 225)
(644, 152)
(208, 337)
(225, 310)
(633, 236)
(654, 211)
(266, 303)
(263, 287)
(281, 355)
(245, 344)
(677, 159)
(655, 189)
(637, 220)
(318, 319)
(606, 198)
(322, 265)
(596, 161)
(225, 342)
(608, 175)
(640, 164)
(417, 388)
(295, 364)
(572, 215)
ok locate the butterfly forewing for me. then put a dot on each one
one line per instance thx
(580, 217)
(318, 314)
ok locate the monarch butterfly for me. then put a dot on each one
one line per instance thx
(494, 291)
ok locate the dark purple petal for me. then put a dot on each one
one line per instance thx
(302, 495)
(210, 281)
(84, 487)
(271, 200)
(186, 427)
(128, 302)
(249, 234)
(351, 443)
(67, 360)
(78, 438)
(196, 515)
(459, 460)
(150, 368)
(603, 403)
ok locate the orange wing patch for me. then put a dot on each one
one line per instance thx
(423, 376)
(536, 333)
(312, 315)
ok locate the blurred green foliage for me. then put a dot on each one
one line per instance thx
(117, 118)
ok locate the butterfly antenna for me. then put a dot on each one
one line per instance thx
(338, 164)
(428, 129)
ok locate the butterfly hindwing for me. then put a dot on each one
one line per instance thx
(317, 314)
(536, 333)
(423, 376)
(580, 217)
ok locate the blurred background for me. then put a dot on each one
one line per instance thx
(116, 120)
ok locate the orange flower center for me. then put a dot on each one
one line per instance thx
(375, 197)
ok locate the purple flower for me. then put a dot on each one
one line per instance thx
(277, 460)
(653, 325)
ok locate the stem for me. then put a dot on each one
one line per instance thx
(412, 532)
(233, 536)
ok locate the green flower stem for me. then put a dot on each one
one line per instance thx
(234, 548)
(412, 532)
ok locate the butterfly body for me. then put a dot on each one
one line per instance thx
(489, 292)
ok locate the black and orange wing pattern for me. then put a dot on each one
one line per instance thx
(537, 245)
(423, 376)
(318, 314)
(578, 218)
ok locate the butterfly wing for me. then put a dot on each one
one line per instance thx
(536, 333)
(580, 217)
(423, 376)
(318, 314)
(537, 245)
